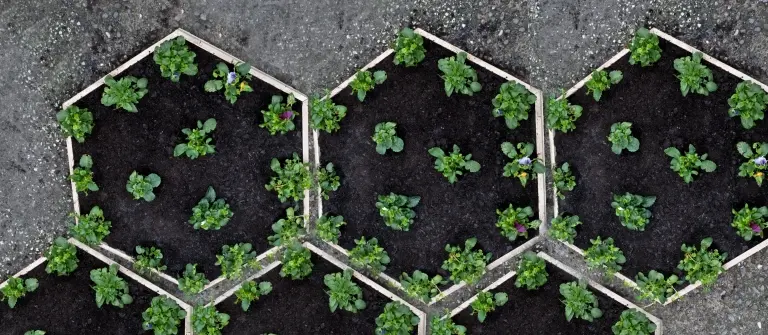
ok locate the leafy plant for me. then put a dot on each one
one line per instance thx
(632, 322)
(326, 115)
(563, 227)
(124, 93)
(458, 76)
(750, 222)
(748, 103)
(149, 258)
(688, 165)
(191, 281)
(632, 210)
(385, 137)
(278, 118)
(250, 292)
(513, 103)
(396, 210)
(604, 255)
(514, 222)
(34, 332)
(142, 187)
(531, 271)
(487, 302)
(579, 302)
(409, 48)
(601, 81)
(465, 265)
(110, 288)
(163, 316)
(438, 326)
(564, 180)
(654, 287)
(328, 180)
(452, 165)
(174, 58)
(206, 320)
(234, 259)
(561, 115)
(62, 257)
(297, 262)
(16, 289)
(91, 228)
(420, 286)
(343, 292)
(233, 82)
(291, 180)
(396, 319)
(521, 165)
(287, 229)
(644, 48)
(368, 254)
(210, 213)
(365, 81)
(756, 164)
(694, 76)
(700, 264)
(82, 175)
(75, 122)
(329, 227)
(621, 138)
(198, 143)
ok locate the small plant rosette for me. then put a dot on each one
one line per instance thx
(689, 164)
(522, 166)
(515, 222)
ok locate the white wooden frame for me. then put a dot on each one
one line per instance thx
(555, 205)
(540, 153)
(255, 72)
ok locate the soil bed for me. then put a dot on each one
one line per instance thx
(661, 117)
(414, 98)
(301, 307)
(540, 311)
(67, 305)
(123, 142)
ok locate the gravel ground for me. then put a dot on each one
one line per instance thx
(52, 49)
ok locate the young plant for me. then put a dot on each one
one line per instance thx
(206, 320)
(198, 143)
(750, 222)
(621, 138)
(604, 255)
(632, 210)
(326, 115)
(175, 59)
(632, 322)
(297, 262)
(235, 258)
(210, 213)
(601, 81)
(694, 76)
(654, 287)
(515, 222)
(579, 302)
(368, 254)
(250, 292)
(487, 302)
(365, 81)
(329, 227)
(124, 93)
(458, 76)
(409, 48)
(385, 137)
(644, 48)
(564, 180)
(522, 166)
(233, 82)
(163, 316)
(451, 166)
(16, 289)
(397, 319)
(531, 271)
(75, 122)
(465, 265)
(561, 115)
(420, 286)
(62, 257)
(34, 332)
(564, 228)
(748, 103)
(700, 264)
(291, 180)
(191, 281)
(149, 258)
(328, 180)
(287, 229)
(396, 210)
(141, 187)
(82, 176)
(439, 326)
(110, 288)
(343, 293)
(91, 228)
(513, 103)
(688, 165)
(757, 164)
(278, 118)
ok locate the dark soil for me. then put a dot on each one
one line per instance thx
(650, 98)
(67, 305)
(414, 98)
(123, 142)
(301, 307)
(540, 311)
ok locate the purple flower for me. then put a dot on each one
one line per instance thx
(761, 160)
(756, 228)
(231, 78)
(286, 115)
(520, 228)
(524, 161)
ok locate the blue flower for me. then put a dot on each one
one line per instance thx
(231, 77)
(524, 161)
(761, 161)
(498, 112)
(735, 112)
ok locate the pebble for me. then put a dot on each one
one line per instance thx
(515, 21)
(757, 29)
(522, 29)
(203, 16)
(104, 16)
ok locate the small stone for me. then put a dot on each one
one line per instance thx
(757, 29)
(115, 14)
(522, 29)
(203, 16)
(751, 21)
(515, 21)
(104, 16)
